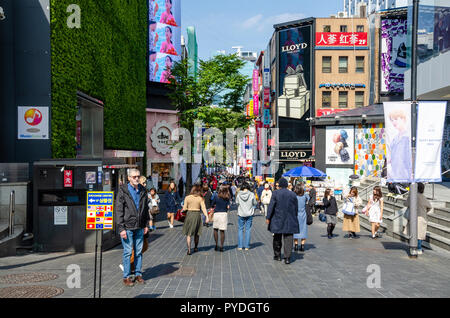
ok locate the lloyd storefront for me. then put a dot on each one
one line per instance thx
(291, 158)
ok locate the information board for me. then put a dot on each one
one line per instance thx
(99, 210)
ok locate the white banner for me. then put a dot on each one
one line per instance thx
(397, 118)
(340, 145)
(430, 127)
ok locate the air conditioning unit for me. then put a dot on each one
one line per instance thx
(342, 14)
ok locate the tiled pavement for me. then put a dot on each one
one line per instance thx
(328, 268)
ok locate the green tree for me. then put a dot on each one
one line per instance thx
(219, 82)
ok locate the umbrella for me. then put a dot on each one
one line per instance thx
(354, 176)
(304, 171)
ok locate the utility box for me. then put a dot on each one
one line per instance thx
(59, 205)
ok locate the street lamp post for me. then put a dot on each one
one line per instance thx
(413, 187)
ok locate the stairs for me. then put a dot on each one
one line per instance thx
(9, 244)
(438, 230)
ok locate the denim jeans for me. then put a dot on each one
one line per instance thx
(135, 240)
(244, 222)
(419, 244)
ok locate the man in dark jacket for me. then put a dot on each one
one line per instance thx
(282, 220)
(132, 217)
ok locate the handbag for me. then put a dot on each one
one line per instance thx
(349, 208)
(322, 217)
(309, 217)
(180, 216)
(154, 210)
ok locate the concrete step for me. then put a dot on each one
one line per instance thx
(445, 212)
(438, 229)
(4, 230)
(438, 219)
(9, 244)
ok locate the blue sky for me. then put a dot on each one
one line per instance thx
(221, 25)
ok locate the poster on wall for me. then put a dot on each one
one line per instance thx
(340, 145)
(430, 127)
(397, 118)
(32, 122)
(164, 38)
(340, 176)
(393, 54)
(294, 71)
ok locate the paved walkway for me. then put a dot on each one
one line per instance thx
(328, 268)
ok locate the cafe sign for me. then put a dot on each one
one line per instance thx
(161, 135)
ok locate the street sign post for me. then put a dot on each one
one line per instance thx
(99, 216)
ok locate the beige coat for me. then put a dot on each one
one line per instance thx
(423, 208)
(351, 222)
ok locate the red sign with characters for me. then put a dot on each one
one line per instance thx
(341, 38)
(68, 178)
(328, 111)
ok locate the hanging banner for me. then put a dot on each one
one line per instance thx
(397, 118)
(430, 128)
(256, 105)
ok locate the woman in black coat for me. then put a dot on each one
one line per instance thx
(282, 220)
(329, 202)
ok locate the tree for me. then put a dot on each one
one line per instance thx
(218, 81)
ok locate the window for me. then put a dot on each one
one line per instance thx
(327, 28)
(343, 99)
(343, 28)
(360, 28)
(326, 99)
(326, 64)
(359, 99)
(343, 64)
(360, 64)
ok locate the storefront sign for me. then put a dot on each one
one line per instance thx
(99, 210)
(256, 104)
(430, 127)
(255, 81)
(341, 39)
(328, 111)
(294, 155)
(266, 78)
(160, 137)
(341, 85)
(266, 117)
(32, 122)
(294, 47)
(340, 145)
(68, 178)
(266, 97)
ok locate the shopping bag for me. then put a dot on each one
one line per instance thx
(180, 216)
(349, 208)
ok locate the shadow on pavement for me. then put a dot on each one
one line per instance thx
(309, 247)
(160, 270)
(396, 246)
(148, 296)
(154, 236)
(35, 262)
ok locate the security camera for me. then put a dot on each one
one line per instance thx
(2, 14)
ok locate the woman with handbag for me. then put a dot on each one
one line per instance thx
(194, 205)
(351, 217)
(302, 199)
(266, 195)
(374, 209)
(154, 200)
(330, 205)
(221, 205)
(173, 200)
(207, 195)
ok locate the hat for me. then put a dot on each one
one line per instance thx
(283, 183)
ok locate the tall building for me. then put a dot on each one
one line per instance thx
(362, 8)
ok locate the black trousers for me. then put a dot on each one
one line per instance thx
(288, 243)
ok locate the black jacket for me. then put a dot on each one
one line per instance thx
(282, 212)
(207, 198)
(330, 206)
(127, 217)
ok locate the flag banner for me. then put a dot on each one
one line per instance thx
(397, 118)
(430, 128)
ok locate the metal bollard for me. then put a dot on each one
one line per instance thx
(12, 208)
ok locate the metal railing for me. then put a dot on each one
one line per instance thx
(434, 183)
(12, 209)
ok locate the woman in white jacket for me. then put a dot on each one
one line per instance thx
(266, 195)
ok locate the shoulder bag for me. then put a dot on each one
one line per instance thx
(180, 216)
(349, 208)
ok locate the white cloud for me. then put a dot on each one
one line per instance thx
(252, 22)
(285, 17)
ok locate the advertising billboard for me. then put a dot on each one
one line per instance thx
(340, 145)
(294, 72)
(33, 122)
(164, 38)
(393, 54)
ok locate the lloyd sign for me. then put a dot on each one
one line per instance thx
(294, 47)
(294, 155)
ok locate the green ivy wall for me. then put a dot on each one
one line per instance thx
(105, 58)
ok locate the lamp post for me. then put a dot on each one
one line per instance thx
(413, 188)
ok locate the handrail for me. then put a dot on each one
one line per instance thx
(12, 208)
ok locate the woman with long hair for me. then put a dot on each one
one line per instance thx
(221, 204)
(167, 16)
(375, 210)
(167, 46)
(194, 205)
(302, 199)
(167, 73)
(173, 202)
(329, 202)
(351, 222)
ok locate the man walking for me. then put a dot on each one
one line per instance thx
(282, 220)
(132, 217)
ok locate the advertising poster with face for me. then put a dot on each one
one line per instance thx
(340, 145)
(397, 118)
(164, 38)
(393, 54)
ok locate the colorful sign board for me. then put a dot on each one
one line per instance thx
(99, 210)
(328, 111)
(164, 38)
(32, 122)
(341, 38)
(256, 104)
(255, 81)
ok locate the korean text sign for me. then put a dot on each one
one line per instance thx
(99, 210)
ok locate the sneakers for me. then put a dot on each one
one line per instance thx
(121, 267)
(419, 252)
(171, 226)
(246, 248)
(239, 248)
